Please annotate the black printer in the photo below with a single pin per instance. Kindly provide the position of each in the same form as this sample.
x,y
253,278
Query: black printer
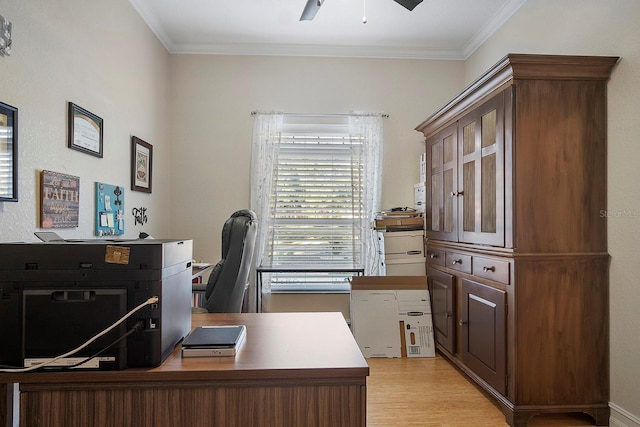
x,y
55,296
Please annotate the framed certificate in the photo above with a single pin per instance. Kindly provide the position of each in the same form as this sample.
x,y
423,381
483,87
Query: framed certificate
x,y
85,131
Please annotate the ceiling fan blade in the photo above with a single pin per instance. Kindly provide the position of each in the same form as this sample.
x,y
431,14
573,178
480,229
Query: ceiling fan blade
x,y
310,9
409,4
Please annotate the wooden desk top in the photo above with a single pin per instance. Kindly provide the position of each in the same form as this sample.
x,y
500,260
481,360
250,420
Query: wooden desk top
x,y
278,346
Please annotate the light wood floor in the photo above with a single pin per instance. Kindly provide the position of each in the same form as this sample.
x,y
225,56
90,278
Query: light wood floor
x,y
430,392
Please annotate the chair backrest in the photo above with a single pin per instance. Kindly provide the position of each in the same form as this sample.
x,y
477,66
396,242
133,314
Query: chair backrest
x,y
229,279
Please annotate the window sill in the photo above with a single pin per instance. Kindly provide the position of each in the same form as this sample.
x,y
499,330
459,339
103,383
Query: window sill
x,y
308,291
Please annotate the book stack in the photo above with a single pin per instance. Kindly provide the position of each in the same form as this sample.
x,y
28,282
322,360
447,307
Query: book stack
x,y
197,296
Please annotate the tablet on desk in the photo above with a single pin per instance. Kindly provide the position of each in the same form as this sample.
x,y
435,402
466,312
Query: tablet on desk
x,y
209,341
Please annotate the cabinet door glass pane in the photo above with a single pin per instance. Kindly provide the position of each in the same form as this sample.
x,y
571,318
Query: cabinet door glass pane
x,y
469,138
436,149
436,194
448,149
469,196
488,220
448,200
489,129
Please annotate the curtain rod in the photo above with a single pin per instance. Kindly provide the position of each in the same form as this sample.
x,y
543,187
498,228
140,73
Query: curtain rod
x,y
383,115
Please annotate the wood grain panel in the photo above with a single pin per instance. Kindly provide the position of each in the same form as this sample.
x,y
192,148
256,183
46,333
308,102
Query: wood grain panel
x,y
560,158
569,340
318,405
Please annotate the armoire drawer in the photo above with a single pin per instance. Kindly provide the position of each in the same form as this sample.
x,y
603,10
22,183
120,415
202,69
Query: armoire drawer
x,y
435,256
490,268
458,261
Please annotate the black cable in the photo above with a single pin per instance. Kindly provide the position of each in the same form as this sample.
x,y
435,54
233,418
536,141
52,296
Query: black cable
x,y
137,327
152,300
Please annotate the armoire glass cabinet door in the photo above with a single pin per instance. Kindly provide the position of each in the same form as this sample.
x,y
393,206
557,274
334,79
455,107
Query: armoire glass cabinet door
x,y
480,195
441,207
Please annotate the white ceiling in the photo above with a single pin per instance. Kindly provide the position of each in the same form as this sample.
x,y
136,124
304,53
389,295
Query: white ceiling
x,y
435,29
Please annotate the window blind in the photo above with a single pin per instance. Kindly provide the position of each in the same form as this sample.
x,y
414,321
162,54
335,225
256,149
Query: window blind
x,y
316,206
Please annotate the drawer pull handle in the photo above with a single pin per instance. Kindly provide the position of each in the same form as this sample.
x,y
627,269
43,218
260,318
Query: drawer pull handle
x,y
433,256
456,261
414,252
462,322
487,269
456,193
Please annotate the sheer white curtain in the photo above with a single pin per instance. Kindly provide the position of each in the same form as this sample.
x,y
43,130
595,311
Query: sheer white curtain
x,y
370,127
267,128
267,133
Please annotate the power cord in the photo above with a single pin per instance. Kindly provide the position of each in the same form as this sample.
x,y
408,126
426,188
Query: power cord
x,y
152,300
139,325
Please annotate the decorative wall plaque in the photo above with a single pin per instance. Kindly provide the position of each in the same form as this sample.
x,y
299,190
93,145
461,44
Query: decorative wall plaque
x,y
59,200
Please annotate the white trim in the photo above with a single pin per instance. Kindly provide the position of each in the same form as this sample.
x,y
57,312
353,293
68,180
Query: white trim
x,y
491,27
622,418
339,51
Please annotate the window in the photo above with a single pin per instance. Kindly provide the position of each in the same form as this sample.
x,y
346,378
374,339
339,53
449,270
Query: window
x,y
315,210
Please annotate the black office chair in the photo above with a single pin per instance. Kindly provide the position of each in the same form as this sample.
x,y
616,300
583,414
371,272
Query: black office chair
x,y
229,280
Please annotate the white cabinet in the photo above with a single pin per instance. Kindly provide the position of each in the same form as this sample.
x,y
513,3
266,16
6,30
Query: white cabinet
x,y
401,253
419,197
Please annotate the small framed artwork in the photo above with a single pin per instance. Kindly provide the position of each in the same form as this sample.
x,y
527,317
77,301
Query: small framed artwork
x,y
59,200
141,165
8,153
85,131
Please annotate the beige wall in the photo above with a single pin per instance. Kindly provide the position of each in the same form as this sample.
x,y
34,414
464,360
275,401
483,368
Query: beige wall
x,y
597,27
195,111
101,56
213,96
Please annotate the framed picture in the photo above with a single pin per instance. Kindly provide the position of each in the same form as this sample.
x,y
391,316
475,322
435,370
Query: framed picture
x,y
85,131
8,153
59,200
141,165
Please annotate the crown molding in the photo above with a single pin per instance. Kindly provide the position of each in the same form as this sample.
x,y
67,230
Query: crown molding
x,y
340,51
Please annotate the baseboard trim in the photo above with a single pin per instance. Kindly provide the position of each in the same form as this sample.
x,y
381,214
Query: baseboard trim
x,y
621,418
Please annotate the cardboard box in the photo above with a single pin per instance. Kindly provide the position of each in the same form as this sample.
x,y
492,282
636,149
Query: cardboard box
x,y
391,316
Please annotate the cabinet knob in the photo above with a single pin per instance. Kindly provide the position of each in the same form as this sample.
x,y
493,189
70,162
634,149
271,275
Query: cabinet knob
x,y
456,261
456,193
433,256
486,269
447,315
462,322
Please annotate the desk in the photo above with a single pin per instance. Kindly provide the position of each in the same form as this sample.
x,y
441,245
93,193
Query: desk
x,y
200,271
260,270
294,369
198,289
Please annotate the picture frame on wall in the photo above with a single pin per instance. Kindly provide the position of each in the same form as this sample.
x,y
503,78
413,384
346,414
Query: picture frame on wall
x,y
59,200
85,131
8,153
141,165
